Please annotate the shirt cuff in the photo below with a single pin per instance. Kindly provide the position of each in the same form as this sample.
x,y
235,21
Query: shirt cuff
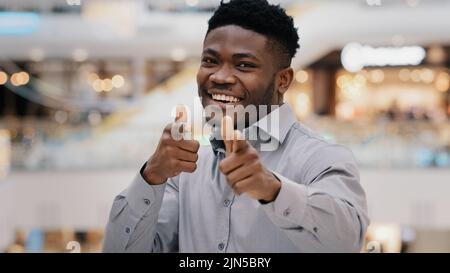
x,y
288,209
141,195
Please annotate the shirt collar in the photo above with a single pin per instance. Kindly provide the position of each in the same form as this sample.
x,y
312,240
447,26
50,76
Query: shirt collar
x,y
276,124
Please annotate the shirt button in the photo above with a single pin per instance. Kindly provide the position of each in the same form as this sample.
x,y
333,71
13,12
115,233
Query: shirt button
x,y
127,230
286,212
221,246
147,202
315,229
226,203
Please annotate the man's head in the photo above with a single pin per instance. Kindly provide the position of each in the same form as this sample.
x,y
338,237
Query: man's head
x,y
247,54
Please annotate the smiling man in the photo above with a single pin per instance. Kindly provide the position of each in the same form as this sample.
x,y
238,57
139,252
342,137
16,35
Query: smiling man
x,y
303,196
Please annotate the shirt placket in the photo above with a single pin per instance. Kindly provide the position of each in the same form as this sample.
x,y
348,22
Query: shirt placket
x,y
223,210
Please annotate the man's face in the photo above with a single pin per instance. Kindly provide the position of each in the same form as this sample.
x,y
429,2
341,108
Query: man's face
x,y
237,68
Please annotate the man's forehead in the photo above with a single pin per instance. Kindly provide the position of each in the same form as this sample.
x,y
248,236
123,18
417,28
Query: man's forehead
x,y
236,38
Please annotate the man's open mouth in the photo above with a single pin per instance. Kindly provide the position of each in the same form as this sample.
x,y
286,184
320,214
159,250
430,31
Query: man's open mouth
x,y
224,98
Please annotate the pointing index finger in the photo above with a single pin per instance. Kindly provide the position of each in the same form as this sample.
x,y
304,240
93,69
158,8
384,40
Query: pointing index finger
x,y
239,142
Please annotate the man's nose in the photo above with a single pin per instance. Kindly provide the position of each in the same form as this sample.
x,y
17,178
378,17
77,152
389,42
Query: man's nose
x,y
223,76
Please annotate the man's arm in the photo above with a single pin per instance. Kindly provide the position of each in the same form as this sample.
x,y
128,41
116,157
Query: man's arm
x,y
328,213
144,218
324,209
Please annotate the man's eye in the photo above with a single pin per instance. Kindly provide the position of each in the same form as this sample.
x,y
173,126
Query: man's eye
x,y
208,61
246,65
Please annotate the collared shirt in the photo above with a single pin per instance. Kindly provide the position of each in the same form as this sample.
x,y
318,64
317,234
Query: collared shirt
x,y
321,206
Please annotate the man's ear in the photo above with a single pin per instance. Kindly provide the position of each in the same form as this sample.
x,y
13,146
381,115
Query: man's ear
x,y
284,80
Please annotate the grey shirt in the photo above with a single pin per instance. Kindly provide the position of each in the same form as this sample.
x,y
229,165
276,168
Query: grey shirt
x,y
321,206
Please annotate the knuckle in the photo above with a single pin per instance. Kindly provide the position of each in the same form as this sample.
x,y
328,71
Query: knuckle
x,y
175,164
231,158
190,168
168,127
196,146
237,188
222,166
230,178
256,166
165,138
252,155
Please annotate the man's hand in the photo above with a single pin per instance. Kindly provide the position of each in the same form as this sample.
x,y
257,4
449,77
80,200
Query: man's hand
x,y
243,168
173,155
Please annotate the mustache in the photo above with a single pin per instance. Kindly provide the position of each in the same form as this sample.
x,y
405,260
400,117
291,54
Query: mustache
x,y
221,87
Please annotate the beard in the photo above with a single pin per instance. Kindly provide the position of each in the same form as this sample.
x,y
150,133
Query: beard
x,y
267,98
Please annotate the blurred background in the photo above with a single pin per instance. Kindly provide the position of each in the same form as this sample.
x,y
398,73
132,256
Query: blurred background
x,y
85,88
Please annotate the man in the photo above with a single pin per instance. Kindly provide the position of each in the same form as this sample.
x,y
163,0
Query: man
x,y
304,196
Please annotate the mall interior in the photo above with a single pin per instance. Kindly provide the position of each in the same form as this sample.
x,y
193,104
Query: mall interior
x,y
85,88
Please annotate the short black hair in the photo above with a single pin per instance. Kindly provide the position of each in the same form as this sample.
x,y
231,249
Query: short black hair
x,y
261,17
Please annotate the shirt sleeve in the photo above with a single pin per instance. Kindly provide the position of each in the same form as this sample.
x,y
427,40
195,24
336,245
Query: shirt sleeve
x,y
144,218
325,210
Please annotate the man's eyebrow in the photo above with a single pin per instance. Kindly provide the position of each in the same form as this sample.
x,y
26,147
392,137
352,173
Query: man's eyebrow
x,y
245,55
235,56
211,51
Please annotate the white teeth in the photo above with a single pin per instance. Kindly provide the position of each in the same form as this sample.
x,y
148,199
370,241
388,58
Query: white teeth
x,y
224,98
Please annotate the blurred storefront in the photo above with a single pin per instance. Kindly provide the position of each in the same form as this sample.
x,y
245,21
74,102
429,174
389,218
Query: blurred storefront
x,y
391,116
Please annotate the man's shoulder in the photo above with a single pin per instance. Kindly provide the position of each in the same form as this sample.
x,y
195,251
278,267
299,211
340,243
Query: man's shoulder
x,y
314,145
300,136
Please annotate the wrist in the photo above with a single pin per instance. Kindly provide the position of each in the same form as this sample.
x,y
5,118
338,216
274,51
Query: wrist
x,y
273,188
150,176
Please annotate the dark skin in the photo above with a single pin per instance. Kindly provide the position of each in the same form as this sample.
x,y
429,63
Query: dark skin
x,y
243,64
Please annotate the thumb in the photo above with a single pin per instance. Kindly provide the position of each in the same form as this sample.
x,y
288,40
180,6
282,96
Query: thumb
x,y
239,142
181,118
227,132
181,113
